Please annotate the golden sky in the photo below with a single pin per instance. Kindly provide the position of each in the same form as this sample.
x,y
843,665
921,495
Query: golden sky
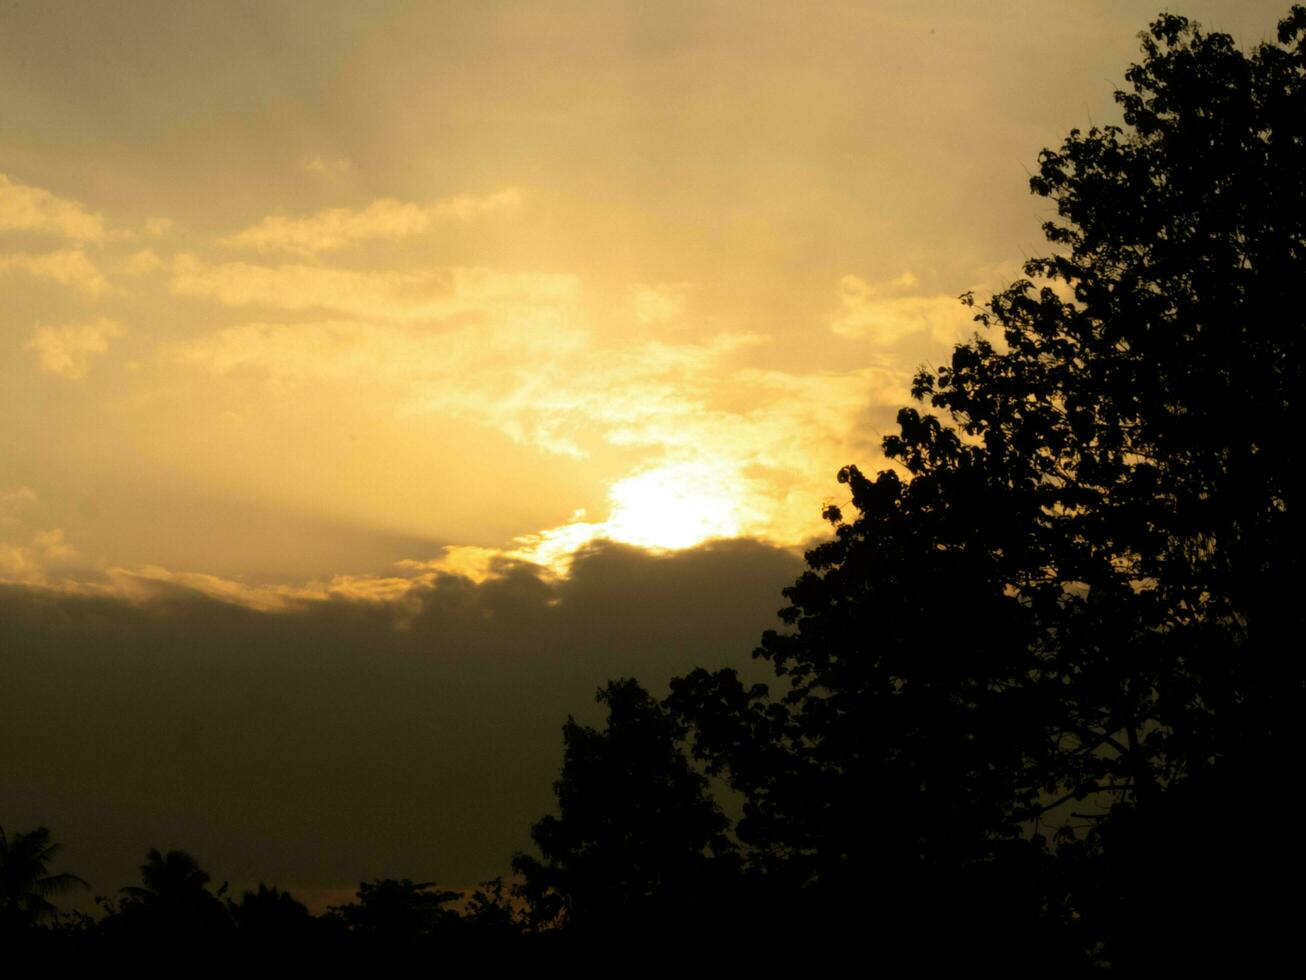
x,y
298,290
322,300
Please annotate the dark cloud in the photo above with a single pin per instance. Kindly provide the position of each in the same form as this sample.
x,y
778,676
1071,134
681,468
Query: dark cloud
x,y
344,740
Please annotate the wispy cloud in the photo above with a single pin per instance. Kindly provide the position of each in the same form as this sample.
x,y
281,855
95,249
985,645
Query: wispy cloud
x,y
140,264
436,294
659,302
54,545
724,451
68,267
18,565
889,312
156,227
13,502
385,218
28,554
33,209
323,167
66,351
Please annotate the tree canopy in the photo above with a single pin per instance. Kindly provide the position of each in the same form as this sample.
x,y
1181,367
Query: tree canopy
x,y
1073,597
637,836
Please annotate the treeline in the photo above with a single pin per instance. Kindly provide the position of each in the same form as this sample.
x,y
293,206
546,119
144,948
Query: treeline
x,y
1038,703
176,911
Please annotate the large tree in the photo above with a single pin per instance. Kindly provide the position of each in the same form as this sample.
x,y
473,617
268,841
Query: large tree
x,y
1073,600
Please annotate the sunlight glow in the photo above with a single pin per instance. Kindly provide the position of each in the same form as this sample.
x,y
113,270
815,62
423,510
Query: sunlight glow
x,y
668,507
674,506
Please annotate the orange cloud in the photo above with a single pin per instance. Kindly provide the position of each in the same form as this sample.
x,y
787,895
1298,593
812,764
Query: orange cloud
x,y
68,267
385,218
66,351
655,303
27,208
436,294
887,314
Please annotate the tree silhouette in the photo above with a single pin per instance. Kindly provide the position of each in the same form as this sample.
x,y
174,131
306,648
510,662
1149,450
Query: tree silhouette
x,y
1146,403
173,897
637,837
491,915
397,915
269,914
1067,609
26,883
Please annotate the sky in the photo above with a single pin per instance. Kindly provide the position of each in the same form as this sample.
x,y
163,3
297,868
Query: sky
x,y
379,379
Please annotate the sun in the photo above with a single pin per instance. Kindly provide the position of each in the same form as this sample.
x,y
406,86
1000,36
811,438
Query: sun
x,y
666,507
676,505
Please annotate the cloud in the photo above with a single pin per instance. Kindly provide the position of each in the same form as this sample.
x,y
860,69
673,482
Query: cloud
x,y
328,350
881,313
153,582
18,565
32,209
68,267
66,351
15,501
436,294
140,264
344,350
326,168
385,218
552,398
720,451
54,545
660,302
28,556
725,450
156,227
412,738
